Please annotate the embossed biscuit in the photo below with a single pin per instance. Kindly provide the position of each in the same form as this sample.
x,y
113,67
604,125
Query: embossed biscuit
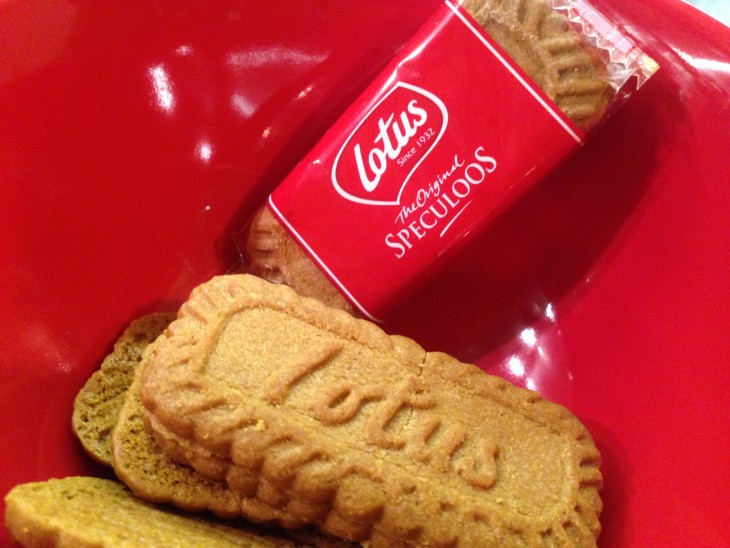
x,y
543,43
107,419
142,465
153,476
331,420
555,55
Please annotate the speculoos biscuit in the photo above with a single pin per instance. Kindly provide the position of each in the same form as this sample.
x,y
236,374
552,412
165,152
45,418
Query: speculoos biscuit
x,y
557,57
274,255
97,404
87,511
541,41
331,421
107,420
153,476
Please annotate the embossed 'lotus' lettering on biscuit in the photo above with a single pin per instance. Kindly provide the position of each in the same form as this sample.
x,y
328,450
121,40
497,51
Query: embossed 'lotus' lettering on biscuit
x,y
427,437
329,420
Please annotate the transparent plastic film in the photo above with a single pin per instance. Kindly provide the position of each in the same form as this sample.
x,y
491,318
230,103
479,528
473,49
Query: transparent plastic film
x,y
625,61
556,29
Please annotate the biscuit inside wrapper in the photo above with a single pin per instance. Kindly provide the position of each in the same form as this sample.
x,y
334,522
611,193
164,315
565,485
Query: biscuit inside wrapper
x,y
488,98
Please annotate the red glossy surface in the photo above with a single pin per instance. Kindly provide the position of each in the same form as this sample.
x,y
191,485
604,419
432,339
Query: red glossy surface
x,y
134,141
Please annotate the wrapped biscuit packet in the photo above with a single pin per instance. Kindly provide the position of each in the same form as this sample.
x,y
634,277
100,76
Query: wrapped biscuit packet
x,y
486,99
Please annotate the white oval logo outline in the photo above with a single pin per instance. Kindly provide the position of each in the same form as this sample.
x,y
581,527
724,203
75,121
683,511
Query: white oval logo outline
x,y
441,106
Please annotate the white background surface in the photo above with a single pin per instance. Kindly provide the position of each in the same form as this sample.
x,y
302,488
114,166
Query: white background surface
x,y
720,9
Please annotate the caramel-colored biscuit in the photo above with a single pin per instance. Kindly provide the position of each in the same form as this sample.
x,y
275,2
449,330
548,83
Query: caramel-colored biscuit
x,y
97,404
275,256
109,402
557,58
84,511
327,418
542,42
153,476
141,464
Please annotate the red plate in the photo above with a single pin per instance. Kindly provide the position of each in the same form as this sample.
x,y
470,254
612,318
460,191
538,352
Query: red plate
x,y
135,140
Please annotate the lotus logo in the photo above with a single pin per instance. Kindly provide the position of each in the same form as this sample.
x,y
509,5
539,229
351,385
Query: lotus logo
x,y
379,157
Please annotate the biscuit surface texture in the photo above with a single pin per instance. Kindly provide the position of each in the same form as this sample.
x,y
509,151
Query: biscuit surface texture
x,y
332,421
153,476
275,256
97,404
557,58
94,512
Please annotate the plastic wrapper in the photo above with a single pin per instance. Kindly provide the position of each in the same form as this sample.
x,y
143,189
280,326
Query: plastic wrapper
x,y
485,100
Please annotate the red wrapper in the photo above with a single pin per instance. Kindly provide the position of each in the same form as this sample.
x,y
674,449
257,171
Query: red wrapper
x,y
444,139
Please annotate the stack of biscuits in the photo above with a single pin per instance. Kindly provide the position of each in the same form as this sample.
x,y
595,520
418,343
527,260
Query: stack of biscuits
x,y
270,409
258,415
